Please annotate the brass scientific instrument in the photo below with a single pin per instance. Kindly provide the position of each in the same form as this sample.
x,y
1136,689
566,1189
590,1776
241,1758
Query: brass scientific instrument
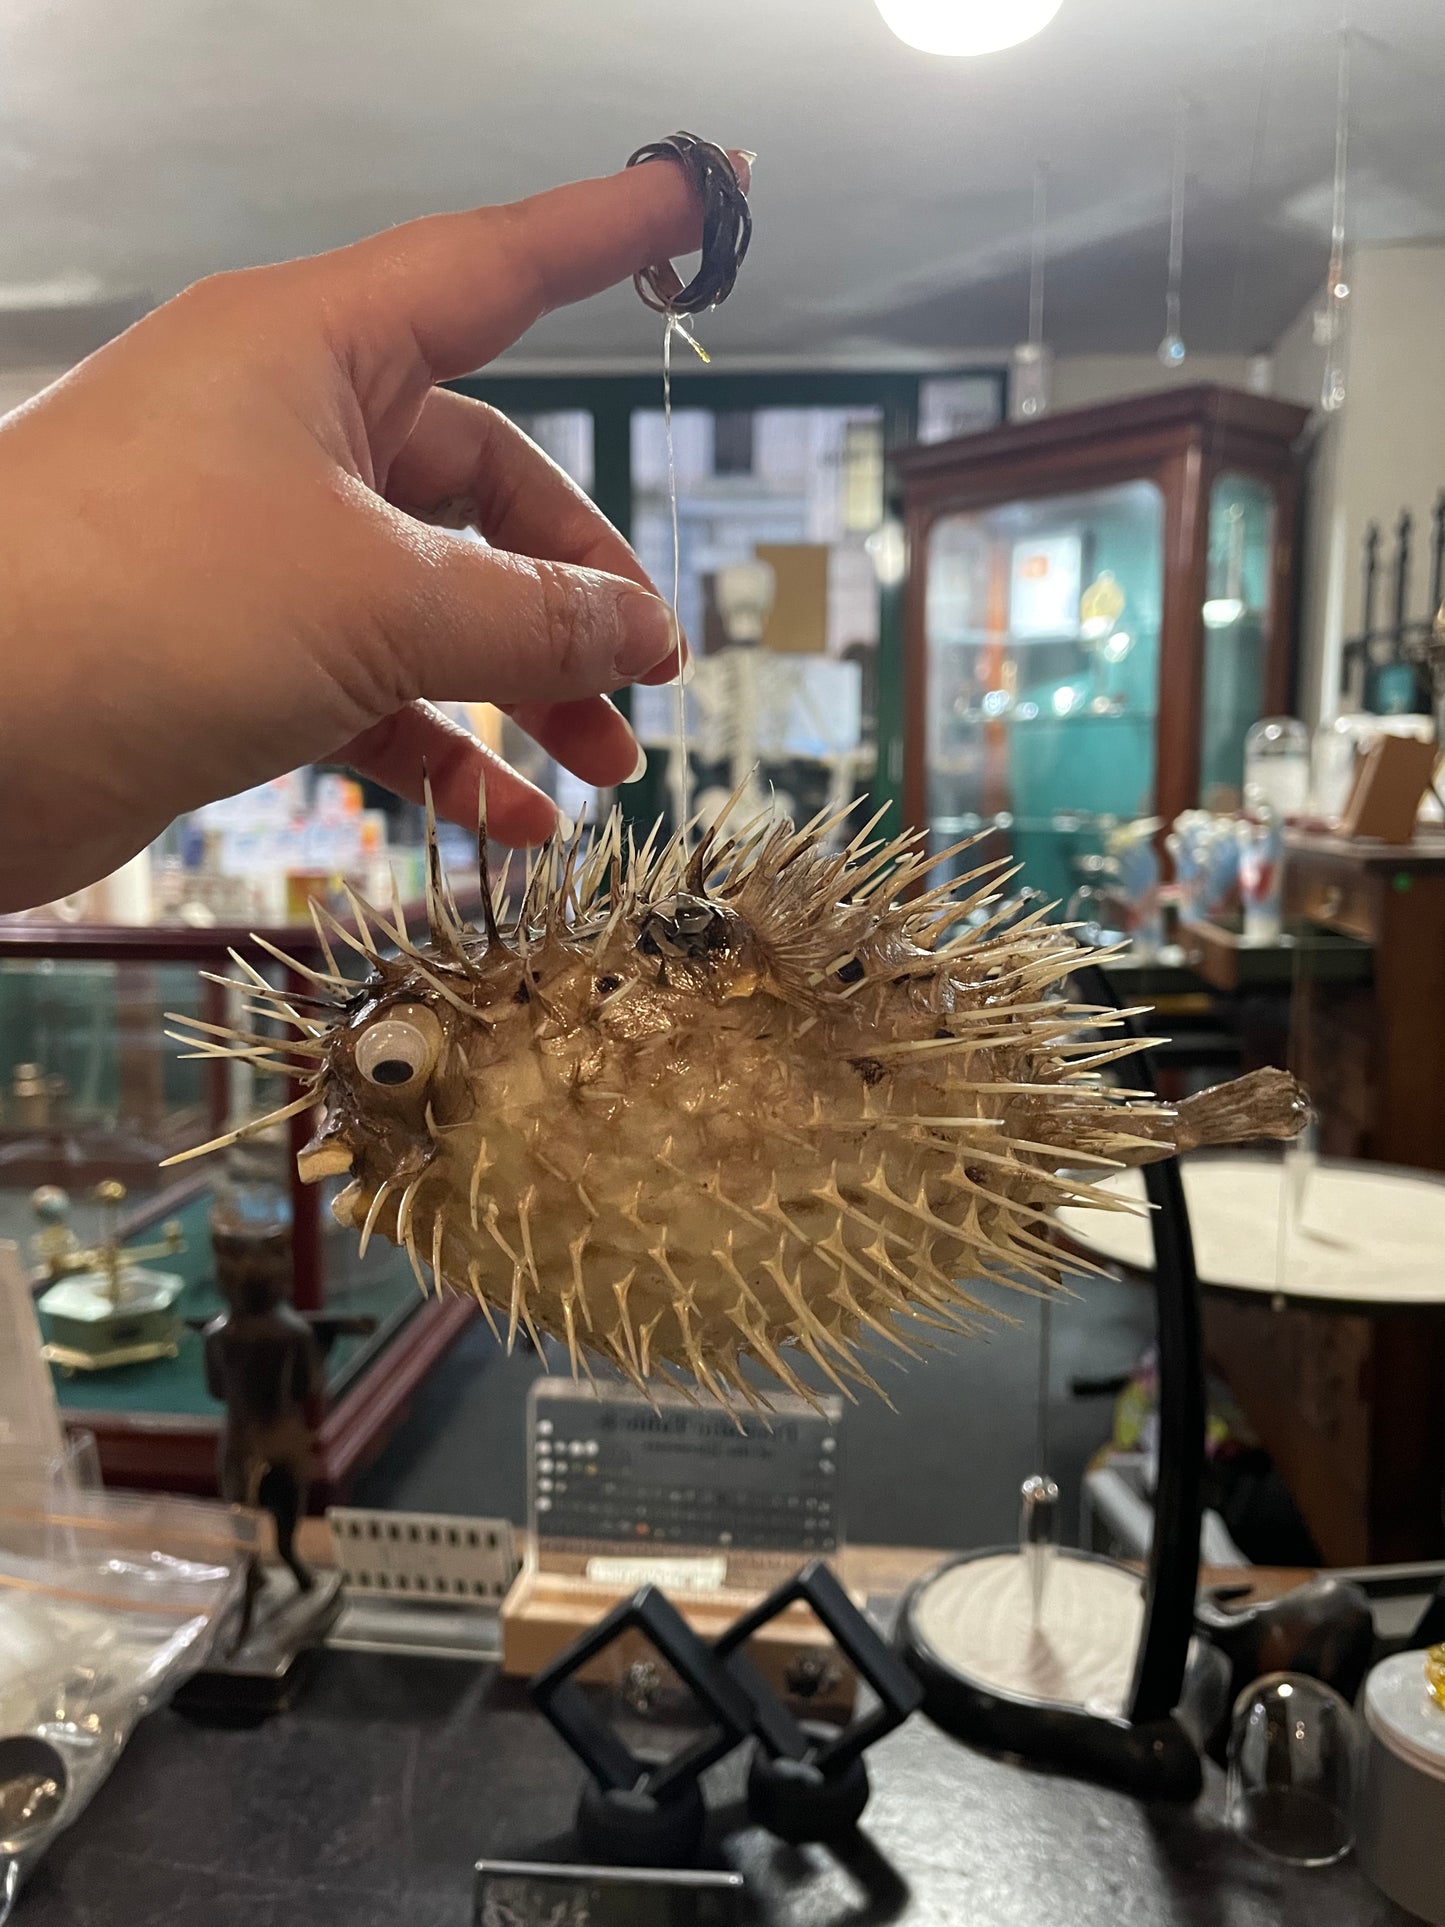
x,y
104,1307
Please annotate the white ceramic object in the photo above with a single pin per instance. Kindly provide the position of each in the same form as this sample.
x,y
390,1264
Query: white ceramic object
x,y
1400,1823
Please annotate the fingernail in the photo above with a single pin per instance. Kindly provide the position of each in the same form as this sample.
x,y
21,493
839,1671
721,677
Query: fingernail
x,y
688,670
750,156
646,626
639,768
565,828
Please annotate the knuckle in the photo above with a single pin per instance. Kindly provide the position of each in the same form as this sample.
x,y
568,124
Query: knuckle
x,y
488,419
569,628
384,597
486,425
371,669
216,295
240,296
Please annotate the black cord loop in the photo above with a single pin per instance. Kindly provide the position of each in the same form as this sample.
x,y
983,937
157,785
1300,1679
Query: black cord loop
x,y
727,227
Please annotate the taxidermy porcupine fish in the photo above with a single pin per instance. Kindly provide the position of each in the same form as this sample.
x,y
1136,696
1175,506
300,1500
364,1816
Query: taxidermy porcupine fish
x,y
756,1100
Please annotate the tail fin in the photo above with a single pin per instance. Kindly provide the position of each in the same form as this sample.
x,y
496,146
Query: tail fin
x,y
1267,1103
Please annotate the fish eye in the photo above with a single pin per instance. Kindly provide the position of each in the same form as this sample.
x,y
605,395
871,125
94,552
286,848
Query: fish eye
x,y
398,1051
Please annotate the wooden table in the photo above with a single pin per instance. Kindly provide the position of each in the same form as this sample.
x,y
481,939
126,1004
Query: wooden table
x,y
1334,1345
367,1804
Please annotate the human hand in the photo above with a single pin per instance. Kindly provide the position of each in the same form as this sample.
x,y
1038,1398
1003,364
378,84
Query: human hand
x,y
216,566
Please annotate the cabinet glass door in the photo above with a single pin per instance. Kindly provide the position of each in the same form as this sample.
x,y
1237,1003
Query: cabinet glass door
x,y
1043,625
1236,628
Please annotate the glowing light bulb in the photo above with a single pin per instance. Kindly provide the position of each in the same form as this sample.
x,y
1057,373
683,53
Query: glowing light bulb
x,y
887,550
966,26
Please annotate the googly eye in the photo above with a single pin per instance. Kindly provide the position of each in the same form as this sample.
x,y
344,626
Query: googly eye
x,y
398,1051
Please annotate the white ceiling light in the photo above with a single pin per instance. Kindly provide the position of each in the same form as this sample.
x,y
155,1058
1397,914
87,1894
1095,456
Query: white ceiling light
x,y
966,26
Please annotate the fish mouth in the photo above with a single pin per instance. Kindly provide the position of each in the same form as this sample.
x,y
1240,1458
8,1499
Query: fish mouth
x,y
326,1156
349,1206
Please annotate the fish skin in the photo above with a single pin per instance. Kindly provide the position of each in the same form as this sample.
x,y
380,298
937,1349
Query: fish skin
x,y
756,1101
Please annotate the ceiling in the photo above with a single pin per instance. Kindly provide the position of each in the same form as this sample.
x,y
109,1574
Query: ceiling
x,y
145,143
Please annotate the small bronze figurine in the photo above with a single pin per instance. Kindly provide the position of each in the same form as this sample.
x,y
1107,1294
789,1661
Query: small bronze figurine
x,y
263,1362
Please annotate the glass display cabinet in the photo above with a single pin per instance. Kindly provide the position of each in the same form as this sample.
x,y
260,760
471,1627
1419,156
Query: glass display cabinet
x,y
93,1095
1099,604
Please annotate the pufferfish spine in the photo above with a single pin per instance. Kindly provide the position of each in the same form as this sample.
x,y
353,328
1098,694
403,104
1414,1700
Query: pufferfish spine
x,y
688,1110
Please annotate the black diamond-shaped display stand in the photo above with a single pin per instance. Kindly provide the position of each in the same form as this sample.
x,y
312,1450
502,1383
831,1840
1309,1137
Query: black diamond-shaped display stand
x,y
808,1781
632,1813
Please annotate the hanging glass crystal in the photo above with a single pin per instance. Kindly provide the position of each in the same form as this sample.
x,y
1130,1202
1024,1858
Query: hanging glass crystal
x,y
1031,368
1172,350
1330,322
1031,365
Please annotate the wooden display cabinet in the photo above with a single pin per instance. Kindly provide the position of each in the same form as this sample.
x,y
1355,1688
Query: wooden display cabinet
x,y
1099,604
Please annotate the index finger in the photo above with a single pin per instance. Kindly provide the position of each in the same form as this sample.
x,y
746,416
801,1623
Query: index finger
x,y
465,286
462,450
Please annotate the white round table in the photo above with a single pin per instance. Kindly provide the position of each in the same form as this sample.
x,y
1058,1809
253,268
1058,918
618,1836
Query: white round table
x,y
1331,1339
1366,1236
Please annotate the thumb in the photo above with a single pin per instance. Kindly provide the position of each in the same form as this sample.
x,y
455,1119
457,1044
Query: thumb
x,y
468,623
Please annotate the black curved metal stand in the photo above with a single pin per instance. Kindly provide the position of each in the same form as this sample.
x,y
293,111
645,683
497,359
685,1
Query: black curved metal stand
x,y
1148,1751
1183,1411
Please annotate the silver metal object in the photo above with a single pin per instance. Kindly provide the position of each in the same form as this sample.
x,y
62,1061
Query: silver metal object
x,y
33,1785
510,1893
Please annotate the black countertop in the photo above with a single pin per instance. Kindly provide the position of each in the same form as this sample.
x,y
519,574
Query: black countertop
x,y
367,1805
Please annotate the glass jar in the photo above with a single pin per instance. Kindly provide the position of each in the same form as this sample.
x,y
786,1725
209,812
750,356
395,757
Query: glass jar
x,y
1277,767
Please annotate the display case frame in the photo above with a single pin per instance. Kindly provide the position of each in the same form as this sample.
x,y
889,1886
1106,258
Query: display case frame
x,y
178,1451
1183,440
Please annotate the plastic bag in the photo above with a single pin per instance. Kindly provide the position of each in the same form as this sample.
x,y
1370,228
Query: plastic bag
x,y
107,1601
